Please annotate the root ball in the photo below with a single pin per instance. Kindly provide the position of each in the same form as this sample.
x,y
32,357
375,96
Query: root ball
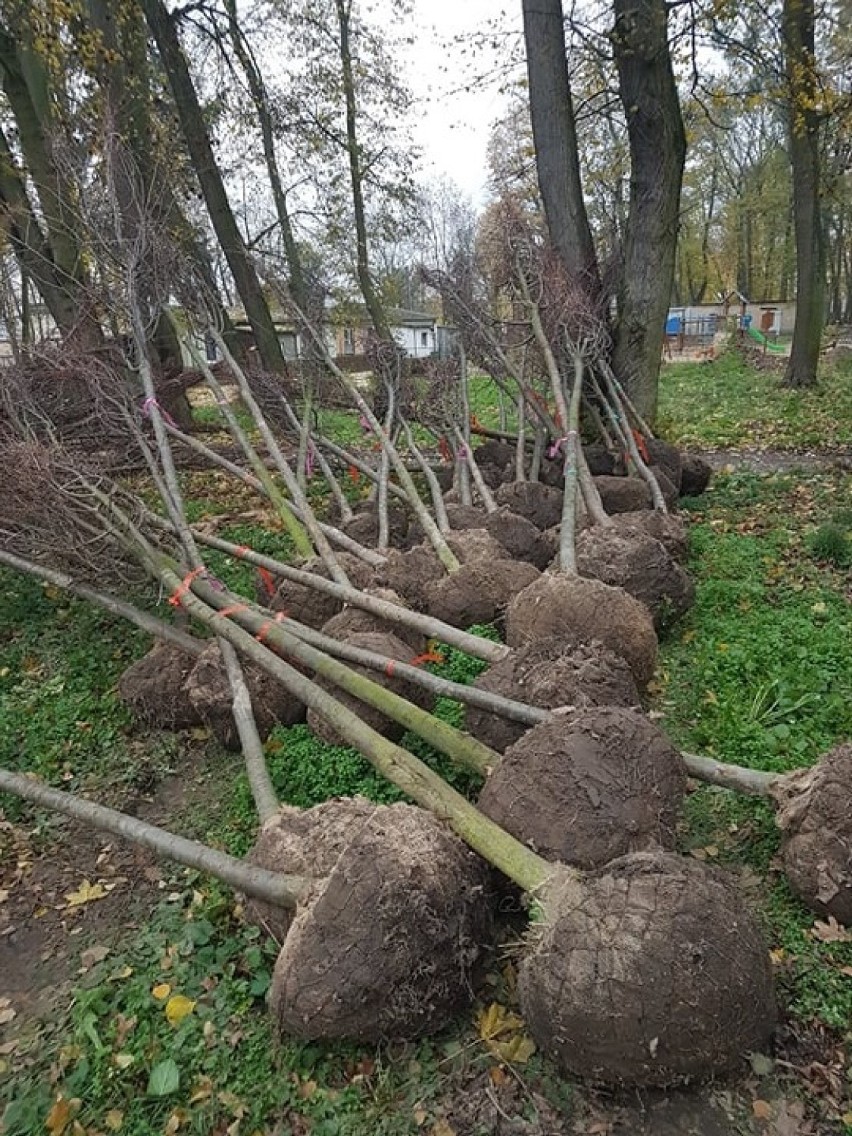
x,y
382,644
579,610
695,475
478,592
549,674
388,943
633,560
669,530
816,821
652,972
154,687
355,619
541,504
309,606
585,788
623,494
520,537
210,694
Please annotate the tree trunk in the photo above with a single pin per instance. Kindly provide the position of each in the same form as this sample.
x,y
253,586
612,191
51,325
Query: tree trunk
x,y
191,117
555,138
798,31
657,152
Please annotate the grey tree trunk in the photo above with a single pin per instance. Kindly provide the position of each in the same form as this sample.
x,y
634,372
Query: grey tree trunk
x,y
197,140
657,152
555,138
798,31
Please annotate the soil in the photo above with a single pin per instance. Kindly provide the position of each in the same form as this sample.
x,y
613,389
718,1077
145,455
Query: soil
x,y
42,938
778,461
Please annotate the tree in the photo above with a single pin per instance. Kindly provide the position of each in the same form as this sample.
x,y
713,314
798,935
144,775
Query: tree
x,y
798,27
651,105
164,29
555,135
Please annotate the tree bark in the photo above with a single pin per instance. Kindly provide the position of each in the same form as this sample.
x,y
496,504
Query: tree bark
x,y
798,31
191,118
555,138
657,153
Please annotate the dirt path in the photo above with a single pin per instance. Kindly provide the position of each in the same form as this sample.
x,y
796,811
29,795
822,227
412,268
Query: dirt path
x,y
778,461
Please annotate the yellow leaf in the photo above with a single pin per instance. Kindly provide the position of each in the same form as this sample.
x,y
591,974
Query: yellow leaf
x,y
516,1050
86,893
162,991
114,1119
178,1007
61,1115
123,1060
177,1119
120,975
496,1020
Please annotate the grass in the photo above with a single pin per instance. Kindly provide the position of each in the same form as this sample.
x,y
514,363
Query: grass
x,y
726,403
759,673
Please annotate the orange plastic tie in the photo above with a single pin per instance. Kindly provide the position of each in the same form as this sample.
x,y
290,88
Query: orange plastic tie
x,y
232,610
427,657
390,667
241,550
264,631
184,586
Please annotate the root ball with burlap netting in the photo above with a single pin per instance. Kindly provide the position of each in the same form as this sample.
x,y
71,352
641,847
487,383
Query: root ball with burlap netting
x,y
579,610
585,787
389,942
816,821
548,674
651,972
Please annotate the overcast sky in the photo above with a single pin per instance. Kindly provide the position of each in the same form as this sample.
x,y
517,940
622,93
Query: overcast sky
x,y
452,123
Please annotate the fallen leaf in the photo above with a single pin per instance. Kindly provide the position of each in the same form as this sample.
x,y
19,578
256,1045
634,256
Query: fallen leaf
x,y
496,1020
307,1089
61,1114
164,1079
516,1050
86,893
7,1012
91,956
831,931
762,1109
120,975
441,1128
761,1064
177,1008
123,1060
162,991
114,1119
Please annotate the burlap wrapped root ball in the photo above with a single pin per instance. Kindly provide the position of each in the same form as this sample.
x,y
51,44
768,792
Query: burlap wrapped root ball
x,y
154,688
541,504
209,691
520,537
355,619
311,607
548,674
635,561
389,942
668,529
394,649
578,610
478,592
585,787
651,972
816,821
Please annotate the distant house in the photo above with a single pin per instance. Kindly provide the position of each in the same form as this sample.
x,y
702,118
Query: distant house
x,y
347,331
702,321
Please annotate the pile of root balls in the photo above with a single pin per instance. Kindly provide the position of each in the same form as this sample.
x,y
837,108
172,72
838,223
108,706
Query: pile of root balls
x,y
640,966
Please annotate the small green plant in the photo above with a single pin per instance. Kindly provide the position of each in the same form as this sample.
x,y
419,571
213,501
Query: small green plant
x,y
832,544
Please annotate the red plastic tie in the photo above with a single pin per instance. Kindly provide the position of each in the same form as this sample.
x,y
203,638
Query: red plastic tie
x,y
184,586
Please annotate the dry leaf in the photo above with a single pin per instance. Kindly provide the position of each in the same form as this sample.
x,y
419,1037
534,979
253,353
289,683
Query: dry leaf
x,y
123,1060
762,1109
516,1050
86,893
496,1020
162,991
441,1128
307,1089
114,1119
177,1008
61,1115
831,931
7,1011
91,956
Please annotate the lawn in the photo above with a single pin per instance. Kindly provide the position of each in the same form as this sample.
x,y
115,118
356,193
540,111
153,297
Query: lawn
x,y
166,1032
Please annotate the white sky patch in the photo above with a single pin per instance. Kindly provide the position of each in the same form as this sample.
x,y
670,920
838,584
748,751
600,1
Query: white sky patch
x,y
453,112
